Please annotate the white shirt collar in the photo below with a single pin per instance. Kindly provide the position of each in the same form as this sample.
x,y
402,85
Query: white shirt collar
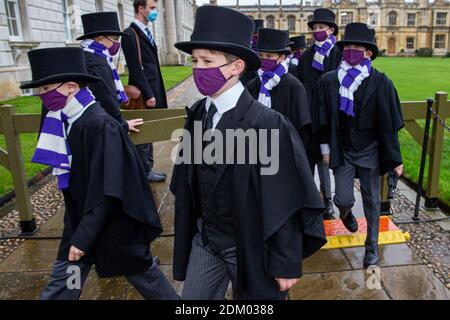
x,y
141,25
227,100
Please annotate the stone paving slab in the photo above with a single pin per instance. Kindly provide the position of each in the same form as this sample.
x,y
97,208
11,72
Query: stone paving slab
x,y
413,283
343,285
326,261
390,255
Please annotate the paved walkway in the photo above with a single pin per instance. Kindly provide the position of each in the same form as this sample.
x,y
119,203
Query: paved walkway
x,y
406,272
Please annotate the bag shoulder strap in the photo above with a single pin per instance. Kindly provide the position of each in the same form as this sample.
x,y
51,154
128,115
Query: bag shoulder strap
x,y
138,45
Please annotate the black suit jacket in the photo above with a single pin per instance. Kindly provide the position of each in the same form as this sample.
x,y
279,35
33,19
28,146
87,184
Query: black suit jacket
x,y
147,78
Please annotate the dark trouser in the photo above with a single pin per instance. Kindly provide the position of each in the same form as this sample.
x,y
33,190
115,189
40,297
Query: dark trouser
x,y
208,273
68,278
366,165
324,177
145,152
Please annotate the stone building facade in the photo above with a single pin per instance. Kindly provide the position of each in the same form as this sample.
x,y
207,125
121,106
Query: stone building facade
x,y
401,26
29,24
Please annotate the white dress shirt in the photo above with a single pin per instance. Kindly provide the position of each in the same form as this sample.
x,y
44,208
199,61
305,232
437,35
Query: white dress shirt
x,y
143,27
225,102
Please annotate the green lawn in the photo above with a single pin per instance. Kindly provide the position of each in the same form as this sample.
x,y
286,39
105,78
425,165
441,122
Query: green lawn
x,y
172,75
418,79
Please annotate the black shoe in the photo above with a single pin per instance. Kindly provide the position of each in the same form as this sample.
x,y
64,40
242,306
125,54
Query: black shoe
x,y
155,177
371,259
350,222
329,210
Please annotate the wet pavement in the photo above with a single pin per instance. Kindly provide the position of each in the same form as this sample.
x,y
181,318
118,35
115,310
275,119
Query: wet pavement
x,y
405,271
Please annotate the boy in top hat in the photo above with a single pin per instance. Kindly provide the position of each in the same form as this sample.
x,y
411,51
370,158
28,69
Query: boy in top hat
x,y
297,45
322,57
232,221
100,42
275,87
357,115
250,74
110,217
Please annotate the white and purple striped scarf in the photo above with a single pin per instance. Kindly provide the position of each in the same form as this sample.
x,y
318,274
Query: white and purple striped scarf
x,y
322,50
270,80
350,78
52,148
99,49
296,58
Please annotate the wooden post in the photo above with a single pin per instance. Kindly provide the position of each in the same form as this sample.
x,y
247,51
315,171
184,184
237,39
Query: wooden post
x,y
385,203
436,143
17,169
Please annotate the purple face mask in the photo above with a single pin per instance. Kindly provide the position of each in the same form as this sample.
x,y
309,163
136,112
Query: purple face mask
x,y
53,100
114,48
353,56
209,80
268,64
320,35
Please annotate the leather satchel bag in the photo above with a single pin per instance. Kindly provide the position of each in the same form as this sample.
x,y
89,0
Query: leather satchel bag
x,y
135,97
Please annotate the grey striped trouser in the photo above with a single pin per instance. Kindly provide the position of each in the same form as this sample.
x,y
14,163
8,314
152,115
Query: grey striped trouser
x,y
209,274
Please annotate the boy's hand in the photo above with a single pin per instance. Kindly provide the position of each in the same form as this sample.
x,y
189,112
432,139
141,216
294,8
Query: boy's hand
x,y
75,254
399,170
286,284
132,124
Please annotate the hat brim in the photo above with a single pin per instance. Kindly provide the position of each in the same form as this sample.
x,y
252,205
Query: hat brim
x,y
369,45
247,54
101,33
329,23
280,51
64,77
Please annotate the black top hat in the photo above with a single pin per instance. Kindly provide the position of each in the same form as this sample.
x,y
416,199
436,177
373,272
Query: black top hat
x,y
360,34
100,24
289,42
298,42
272,40
259,23
324,16
222,29
54,65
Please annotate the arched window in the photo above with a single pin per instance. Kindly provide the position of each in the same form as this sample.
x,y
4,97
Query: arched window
x,y
392,18
270,22
310,17
291,23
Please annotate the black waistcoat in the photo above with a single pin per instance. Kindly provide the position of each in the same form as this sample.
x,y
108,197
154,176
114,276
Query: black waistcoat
x,y
352,137
214,196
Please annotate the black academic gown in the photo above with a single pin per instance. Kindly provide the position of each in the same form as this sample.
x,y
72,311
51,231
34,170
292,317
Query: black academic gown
x,y
309,77
105,91
262,205
110,212
290,99
380,110
293,69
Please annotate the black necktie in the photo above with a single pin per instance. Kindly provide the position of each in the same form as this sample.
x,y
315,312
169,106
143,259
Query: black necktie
x,y
209,117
